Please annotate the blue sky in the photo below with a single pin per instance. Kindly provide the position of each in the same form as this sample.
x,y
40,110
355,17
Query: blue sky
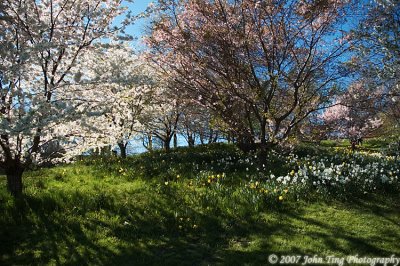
x,y
137,7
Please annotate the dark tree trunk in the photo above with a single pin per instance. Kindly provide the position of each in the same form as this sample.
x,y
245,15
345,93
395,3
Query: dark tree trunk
x,y
215,137
228,138
190,141
167,143
175,141
210,136
263,134
263,154
122,148
246,142
150,145
14,180
201,138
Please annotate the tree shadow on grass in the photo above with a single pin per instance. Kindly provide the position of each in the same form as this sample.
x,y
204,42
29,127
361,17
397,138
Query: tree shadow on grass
x,y
44,232
40,235
337,239
385,207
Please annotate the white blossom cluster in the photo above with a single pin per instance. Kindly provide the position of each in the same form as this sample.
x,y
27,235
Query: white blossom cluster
x,y
367,171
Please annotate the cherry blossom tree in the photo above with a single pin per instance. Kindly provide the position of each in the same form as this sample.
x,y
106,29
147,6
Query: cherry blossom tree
x,y
261,66
161,117
354,115
377,59
378,42
41,43
196,124
126,82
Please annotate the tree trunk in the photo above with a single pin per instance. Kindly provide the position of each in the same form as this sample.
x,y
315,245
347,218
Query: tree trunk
x,y
228,138
167,143
201,138
263,136
190,141
215,137
210,136
397,157
175,141
122,148
263,154
150,145
14,180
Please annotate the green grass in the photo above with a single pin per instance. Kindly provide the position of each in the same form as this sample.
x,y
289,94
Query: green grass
x,y
369,144
152,209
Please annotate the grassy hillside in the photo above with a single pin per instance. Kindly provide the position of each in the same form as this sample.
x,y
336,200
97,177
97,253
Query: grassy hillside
x,y
209,205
